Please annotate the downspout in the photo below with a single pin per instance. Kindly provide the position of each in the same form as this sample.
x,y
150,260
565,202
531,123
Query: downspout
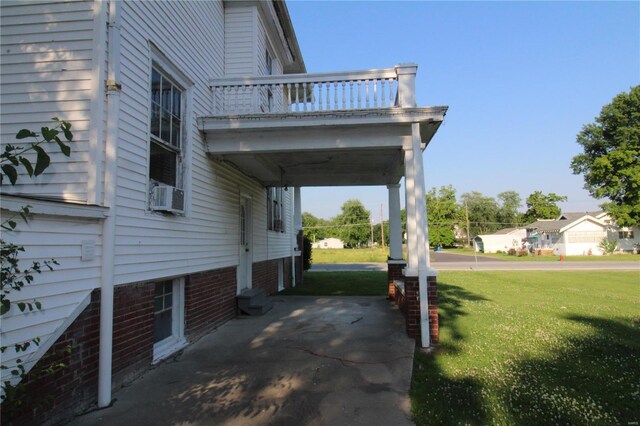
x,y
110,182
294,233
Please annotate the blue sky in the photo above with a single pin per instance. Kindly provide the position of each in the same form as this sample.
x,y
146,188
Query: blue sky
x,y
520,80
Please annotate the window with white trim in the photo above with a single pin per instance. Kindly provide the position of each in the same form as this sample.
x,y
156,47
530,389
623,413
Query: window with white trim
x,y
624,235
168,318
166,130
274,209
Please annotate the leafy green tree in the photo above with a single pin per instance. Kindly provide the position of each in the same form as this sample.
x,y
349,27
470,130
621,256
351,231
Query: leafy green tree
x,y
541,206
508,214
317,228
354,223
15,275
443,214
377,233
483,213
610,162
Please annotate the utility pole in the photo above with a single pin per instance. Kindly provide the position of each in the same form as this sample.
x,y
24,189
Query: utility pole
x,y
466,209
382,224
371,232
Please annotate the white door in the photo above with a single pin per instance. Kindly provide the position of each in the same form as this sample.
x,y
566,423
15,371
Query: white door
x,y
244,265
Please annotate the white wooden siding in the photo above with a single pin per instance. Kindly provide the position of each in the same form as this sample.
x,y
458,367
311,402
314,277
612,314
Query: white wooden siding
x,y
46,68
61,291
239,40
151,246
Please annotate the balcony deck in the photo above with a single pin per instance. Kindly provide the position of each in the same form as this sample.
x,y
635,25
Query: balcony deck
x,y
318,129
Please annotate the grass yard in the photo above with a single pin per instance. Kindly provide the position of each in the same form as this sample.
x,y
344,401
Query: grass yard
x,y
525,348
365,255
533,348
349,255
341,284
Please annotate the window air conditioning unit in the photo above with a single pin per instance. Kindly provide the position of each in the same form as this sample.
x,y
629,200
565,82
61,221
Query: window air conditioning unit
x,y
167,199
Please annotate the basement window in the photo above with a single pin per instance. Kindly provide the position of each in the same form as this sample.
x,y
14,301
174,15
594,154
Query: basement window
x,y
168,318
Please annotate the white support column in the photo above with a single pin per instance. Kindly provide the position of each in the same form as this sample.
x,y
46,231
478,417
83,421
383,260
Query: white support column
x,y
395,223
410,204
421,203
297,209
417,228
297,226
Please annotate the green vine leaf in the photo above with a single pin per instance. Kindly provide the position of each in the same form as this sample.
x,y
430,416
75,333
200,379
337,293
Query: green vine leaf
x,y
25,133
42,161
10,172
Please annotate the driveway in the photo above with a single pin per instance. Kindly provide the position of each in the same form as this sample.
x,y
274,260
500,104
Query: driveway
x,y
309,361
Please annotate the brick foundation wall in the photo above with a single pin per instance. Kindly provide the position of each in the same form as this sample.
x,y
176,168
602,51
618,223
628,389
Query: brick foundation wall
x,y
210,300
434,322
132,331
394,272
265,274
412,308
57,397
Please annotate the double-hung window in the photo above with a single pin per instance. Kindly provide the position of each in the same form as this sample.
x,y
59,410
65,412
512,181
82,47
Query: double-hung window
x,y
167,112
274,209
624,235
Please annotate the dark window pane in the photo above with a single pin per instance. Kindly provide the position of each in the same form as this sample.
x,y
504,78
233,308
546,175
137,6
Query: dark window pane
x,y
177,104
162,165
155,86
175,132
160,288
158,306
168,300
155,119
165,129
162,326
168,286
166,94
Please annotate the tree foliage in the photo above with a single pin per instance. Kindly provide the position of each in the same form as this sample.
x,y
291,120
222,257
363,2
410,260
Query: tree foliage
x,y
354,222
508,214
443,214
610,162
14,160
483,213
541,206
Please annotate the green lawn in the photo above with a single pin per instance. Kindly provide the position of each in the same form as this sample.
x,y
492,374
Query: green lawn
x,y
524,348
380,255
349,255
533,348
341,284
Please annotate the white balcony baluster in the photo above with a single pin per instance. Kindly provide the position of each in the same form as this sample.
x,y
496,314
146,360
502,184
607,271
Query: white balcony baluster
x,y
314,92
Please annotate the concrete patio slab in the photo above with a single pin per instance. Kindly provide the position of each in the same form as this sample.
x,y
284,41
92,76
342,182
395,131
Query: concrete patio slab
x,y
309,361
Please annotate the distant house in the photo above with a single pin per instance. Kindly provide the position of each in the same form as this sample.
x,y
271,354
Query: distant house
x,y
580,234
501,240
328,243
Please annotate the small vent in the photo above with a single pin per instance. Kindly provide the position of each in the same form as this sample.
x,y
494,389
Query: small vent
x,y
167,199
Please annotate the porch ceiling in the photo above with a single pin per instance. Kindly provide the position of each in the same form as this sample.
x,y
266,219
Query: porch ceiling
x,y
330,148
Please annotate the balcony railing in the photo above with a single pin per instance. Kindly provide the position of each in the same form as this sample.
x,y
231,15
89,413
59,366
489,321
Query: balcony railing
x,y
299,93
